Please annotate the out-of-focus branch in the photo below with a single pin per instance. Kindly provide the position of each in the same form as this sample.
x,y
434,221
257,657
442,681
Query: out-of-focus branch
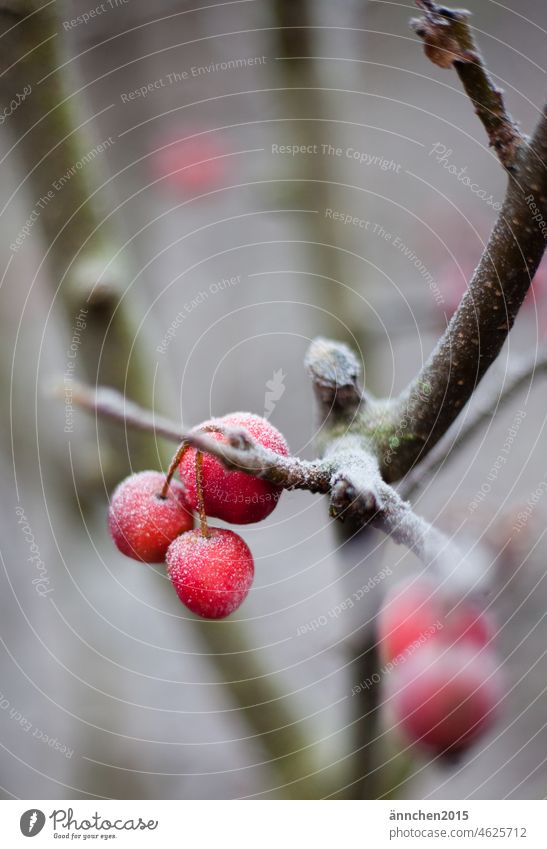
x,y
63,156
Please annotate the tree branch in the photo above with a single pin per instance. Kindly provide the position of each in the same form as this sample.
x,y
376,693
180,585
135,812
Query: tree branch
x,y
448,41
240,452
487,311
479,327
334,370
65,171
358,491
349,472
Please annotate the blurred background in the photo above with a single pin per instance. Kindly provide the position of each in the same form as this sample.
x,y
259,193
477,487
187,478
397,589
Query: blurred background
x,y
190,195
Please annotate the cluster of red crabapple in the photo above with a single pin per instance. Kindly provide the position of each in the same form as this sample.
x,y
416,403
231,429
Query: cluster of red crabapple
x,y
151,519
444,684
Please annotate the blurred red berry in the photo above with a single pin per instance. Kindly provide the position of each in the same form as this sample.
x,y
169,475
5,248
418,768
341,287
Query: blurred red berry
x,y
416,612
444,700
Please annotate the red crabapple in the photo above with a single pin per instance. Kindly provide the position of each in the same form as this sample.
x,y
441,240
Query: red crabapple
x,y
443,700
191,164
416,612
211,574
233,496
143,524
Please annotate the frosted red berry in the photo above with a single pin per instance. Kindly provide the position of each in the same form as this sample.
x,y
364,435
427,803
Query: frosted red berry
x,y
417,612
233,496
142,523
444,700
211,574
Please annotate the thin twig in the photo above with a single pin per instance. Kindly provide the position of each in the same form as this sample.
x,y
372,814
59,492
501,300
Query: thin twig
x,y
239,452
448,41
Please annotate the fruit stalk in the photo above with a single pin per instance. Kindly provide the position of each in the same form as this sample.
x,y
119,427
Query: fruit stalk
x,y
201,501
173,466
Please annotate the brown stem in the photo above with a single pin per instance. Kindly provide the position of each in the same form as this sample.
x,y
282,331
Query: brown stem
x,y
480,325
401,433
181,450
199,490
448,41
